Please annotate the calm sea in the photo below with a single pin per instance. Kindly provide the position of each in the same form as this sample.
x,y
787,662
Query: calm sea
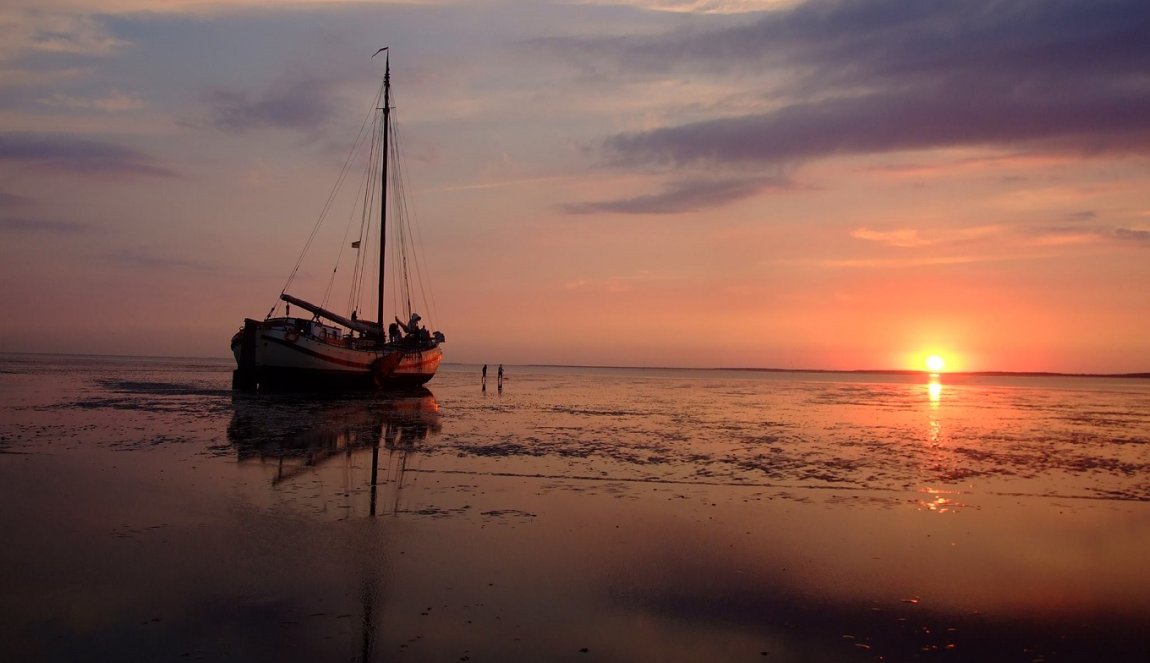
x,y
571,514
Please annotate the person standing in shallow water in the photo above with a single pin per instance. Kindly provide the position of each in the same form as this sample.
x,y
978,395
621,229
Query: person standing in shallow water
x,y
501,375
485,374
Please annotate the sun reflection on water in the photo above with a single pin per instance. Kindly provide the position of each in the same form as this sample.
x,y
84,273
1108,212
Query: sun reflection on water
x,y
936,500
934,390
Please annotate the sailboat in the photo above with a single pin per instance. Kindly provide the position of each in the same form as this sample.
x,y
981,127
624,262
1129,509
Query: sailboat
x,y
331,350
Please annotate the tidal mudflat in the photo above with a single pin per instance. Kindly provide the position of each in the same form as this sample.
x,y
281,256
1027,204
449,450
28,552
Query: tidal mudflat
x,y
576,514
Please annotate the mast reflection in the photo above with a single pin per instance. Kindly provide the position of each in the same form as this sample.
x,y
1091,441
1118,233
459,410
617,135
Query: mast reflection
x,y
299,434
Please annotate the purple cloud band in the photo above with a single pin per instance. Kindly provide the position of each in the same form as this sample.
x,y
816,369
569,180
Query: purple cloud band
x,y
902,74
68,154
890,75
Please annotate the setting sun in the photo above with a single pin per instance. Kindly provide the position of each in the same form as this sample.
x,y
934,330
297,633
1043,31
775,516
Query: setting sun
x,y
934,363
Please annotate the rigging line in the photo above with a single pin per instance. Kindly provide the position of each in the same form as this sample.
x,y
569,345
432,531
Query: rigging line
x,y
423,280
401,234
372,212
344,244
369,271
328,203
398,282
319,221
354,292
402,226
376,203
402,202
409,236
403,244
355,298
357,270
419,258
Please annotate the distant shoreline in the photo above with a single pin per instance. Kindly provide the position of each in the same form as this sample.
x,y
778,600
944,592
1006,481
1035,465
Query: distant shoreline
x,y
880,371
987,374
884,371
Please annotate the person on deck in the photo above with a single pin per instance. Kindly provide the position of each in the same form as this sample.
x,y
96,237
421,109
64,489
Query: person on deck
x,y
412,325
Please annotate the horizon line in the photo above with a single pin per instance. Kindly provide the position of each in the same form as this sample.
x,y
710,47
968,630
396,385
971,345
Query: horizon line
x,y
748,369
867,371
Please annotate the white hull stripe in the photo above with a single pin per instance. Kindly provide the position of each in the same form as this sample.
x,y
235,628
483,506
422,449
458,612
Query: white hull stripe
x,y
312,353
411,362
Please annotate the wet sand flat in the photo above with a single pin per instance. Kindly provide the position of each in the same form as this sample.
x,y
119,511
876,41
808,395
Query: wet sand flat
x,y
576,514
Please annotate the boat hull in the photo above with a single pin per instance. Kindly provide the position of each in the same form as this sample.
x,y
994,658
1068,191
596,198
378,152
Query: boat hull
x,y
275,355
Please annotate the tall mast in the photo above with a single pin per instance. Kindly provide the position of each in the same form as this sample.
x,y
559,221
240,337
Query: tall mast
x,y
383,189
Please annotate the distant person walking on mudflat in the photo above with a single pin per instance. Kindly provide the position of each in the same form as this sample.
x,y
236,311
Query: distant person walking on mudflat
x,y
501,375
485,374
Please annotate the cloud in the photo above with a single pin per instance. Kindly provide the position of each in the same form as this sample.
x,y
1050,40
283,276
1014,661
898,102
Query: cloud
x,y
862,43
903,237
700,6
32,225
1044,236
40,47
1133,235
57,153
12,200
1068,236
113,102
1077,235
17,76
682,196
909,238
300,104
892,121
903,263
1081,216
191,7
892,75
34,31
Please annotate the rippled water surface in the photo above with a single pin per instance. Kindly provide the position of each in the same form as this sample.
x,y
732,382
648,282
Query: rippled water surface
x,y
573,514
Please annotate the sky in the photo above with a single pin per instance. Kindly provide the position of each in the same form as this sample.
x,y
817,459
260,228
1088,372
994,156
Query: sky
x,y
697,183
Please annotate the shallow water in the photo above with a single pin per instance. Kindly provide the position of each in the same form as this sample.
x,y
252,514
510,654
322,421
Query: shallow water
x,y
151,514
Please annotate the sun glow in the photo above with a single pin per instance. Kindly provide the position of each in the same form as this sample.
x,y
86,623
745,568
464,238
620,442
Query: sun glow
x,y
934,358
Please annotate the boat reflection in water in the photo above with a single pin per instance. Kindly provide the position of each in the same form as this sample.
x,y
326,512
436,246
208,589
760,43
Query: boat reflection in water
x,y
297,434
304,436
